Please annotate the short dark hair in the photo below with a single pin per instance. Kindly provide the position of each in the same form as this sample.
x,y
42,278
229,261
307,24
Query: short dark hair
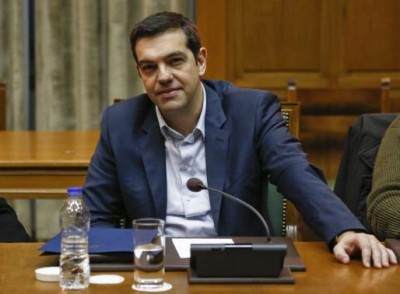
x,y
163,21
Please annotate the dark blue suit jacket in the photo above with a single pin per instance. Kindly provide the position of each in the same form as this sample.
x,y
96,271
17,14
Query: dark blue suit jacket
x,y
11,230
246,140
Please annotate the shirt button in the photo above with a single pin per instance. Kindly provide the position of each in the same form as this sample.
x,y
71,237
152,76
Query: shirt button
x,y
184,167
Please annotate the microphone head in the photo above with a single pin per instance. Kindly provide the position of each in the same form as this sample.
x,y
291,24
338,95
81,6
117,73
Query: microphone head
x,y
195,185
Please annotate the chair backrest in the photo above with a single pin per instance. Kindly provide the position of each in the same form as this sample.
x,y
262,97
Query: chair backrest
x,y
331,110
291,113
116,100
288,222
3,117
283,215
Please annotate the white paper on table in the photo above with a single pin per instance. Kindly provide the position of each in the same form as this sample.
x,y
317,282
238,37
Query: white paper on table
x,y
182,245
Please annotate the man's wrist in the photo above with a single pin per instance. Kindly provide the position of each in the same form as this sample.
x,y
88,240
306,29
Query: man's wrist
x,y
340,236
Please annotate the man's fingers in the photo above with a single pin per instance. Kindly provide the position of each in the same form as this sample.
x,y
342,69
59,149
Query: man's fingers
x,y
373,252
340,254
392,256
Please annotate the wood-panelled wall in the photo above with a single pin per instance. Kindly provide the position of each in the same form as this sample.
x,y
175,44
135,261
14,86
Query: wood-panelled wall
x,y
319,43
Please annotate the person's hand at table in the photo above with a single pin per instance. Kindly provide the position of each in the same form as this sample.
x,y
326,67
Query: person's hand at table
x,y
372,250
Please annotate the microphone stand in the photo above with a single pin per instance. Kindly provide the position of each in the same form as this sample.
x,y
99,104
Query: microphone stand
x,y
239,260
247,205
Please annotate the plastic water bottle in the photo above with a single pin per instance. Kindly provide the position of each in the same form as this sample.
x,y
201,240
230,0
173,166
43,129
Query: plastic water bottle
x,y
74,257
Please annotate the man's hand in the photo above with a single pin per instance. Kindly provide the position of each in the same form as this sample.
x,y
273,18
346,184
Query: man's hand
x,y
350,243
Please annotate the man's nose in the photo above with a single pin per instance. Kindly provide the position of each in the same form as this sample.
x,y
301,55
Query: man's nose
x,y
164,74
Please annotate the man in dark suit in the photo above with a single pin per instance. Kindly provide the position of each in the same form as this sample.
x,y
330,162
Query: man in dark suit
x,y
230,138
11,230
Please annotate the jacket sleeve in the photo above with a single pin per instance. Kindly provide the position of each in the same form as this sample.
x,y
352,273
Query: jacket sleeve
x,y
101,187
297,179
383,202
11,230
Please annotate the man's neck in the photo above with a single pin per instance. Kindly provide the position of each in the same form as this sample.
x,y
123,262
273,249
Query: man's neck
x,y
183,125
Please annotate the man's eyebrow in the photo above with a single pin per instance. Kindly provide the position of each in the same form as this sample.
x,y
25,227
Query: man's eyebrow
x,y
176,53
172,54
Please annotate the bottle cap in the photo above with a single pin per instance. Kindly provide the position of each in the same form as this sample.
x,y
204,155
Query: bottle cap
x,y
74,191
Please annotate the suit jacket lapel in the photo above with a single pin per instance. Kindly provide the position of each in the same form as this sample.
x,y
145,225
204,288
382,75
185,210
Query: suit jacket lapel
x,y
216,144
154,163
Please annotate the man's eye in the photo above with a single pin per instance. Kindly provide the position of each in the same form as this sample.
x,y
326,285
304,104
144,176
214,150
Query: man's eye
x,y
147,68
176,61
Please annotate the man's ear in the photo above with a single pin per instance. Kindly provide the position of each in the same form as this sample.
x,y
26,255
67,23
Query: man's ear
x,y
202,61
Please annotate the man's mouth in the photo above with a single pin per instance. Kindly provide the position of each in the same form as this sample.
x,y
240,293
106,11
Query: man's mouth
x,y
168,93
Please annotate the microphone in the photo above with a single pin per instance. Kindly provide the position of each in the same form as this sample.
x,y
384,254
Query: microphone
x,y
196,185
227,261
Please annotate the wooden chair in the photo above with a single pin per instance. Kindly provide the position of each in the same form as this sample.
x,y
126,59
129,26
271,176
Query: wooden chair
x,y
3,117
284,216
281,212
326,115
291,219
332,111
291,114
116,100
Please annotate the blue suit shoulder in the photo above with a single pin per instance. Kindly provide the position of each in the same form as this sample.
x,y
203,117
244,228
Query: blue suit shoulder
x,y
131,111
226,89
137,103
11,229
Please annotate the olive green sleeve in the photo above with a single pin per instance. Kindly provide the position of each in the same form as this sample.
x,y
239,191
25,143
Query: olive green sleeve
x,y
383,202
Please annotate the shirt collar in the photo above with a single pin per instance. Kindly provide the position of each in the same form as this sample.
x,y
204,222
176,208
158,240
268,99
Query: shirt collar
x,y
200,127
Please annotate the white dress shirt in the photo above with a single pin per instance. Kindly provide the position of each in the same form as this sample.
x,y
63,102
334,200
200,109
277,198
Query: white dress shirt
x,y
188,213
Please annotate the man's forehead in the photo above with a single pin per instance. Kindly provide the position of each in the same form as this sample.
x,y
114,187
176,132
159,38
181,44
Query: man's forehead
x,y
171,37
161,46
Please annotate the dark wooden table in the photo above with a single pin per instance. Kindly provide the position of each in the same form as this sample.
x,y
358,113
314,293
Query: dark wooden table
x,y
324,275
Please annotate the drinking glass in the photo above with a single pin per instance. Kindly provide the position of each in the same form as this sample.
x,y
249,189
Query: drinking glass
x,y
149,253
